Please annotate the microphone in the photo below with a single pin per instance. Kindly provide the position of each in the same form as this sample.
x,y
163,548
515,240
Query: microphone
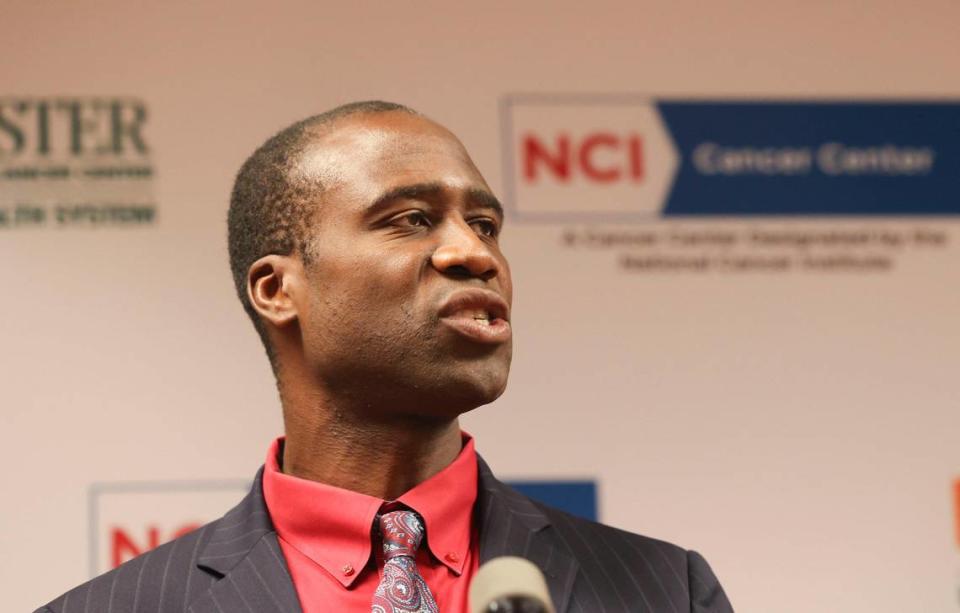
x,y
509,585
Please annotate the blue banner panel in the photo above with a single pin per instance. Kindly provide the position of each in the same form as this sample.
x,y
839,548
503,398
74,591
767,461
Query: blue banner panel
x,y
575,497
814,158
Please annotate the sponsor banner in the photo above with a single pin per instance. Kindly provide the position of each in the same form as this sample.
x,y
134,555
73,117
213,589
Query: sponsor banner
x,y
595,158
75,162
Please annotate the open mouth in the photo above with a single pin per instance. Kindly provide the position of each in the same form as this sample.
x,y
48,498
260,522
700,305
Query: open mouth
x,y
479,315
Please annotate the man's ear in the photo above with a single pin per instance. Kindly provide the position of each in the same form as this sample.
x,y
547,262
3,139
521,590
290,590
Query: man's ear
x,y
273,283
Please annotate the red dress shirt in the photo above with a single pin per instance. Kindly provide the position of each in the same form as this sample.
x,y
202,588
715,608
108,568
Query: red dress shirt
x,y
325,535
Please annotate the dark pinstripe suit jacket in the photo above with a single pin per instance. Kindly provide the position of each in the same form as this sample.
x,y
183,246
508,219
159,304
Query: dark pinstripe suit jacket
x,y
234,565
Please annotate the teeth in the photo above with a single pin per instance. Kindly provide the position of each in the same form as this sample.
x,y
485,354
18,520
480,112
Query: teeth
x,y
481,316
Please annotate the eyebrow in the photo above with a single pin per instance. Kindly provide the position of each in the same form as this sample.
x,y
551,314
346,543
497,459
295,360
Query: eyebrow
x,y
485,199
425,191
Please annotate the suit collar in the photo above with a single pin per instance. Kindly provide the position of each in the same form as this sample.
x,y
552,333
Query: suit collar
x,y
512,525
243,552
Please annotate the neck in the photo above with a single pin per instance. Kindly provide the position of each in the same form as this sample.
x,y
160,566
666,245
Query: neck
x,y
384,458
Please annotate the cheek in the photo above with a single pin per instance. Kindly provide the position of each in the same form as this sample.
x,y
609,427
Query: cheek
x,y
387,283
369,293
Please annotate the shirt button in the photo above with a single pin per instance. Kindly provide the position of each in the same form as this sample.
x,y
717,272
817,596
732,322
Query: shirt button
x,y
347,570
452,558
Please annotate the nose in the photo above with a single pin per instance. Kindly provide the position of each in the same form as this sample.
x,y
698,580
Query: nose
x,y
463,253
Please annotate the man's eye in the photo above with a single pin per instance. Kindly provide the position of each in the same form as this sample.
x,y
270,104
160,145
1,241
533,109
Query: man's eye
x,y
413,218
486,227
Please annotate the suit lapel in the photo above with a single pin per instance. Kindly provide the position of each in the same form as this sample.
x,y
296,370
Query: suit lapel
x,y
245,554
511,525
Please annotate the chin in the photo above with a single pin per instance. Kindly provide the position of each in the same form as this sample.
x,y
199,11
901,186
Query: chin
x,y
477,388
452,392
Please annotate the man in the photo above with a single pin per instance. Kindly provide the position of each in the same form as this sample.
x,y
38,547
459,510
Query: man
x,y
364,246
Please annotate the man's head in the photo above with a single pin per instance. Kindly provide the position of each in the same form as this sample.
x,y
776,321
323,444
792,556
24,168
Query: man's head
x,y
364,246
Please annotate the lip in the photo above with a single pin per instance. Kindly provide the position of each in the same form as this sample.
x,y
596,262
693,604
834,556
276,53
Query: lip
x,y
454,312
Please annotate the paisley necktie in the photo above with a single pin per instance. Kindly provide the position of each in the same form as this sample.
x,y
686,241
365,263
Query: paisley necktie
x,y
402,589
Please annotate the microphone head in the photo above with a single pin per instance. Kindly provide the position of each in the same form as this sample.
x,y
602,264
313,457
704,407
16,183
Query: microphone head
x,y
509,585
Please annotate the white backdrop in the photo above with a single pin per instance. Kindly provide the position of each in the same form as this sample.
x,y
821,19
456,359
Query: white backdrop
x,y
800,430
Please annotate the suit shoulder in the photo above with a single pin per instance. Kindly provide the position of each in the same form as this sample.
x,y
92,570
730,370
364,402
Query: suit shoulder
x,y
680,575
166,575
591,537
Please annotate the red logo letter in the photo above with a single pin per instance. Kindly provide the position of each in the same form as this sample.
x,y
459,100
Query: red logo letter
x,y
636,157
534,153
122,547
606,140
956,508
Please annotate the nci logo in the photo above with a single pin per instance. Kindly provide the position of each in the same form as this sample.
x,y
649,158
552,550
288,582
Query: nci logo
x,y
601,157
572,158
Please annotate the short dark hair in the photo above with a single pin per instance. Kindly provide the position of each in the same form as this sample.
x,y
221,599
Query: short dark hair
x,y
271,208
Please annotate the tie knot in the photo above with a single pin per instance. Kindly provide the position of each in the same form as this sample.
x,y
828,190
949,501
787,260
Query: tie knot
x,y
402,532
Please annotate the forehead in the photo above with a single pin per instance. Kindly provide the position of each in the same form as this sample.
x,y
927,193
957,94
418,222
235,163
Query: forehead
x,y
363,155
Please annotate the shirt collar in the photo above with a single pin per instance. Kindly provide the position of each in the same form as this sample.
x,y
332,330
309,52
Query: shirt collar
x,y
445,502
332,526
